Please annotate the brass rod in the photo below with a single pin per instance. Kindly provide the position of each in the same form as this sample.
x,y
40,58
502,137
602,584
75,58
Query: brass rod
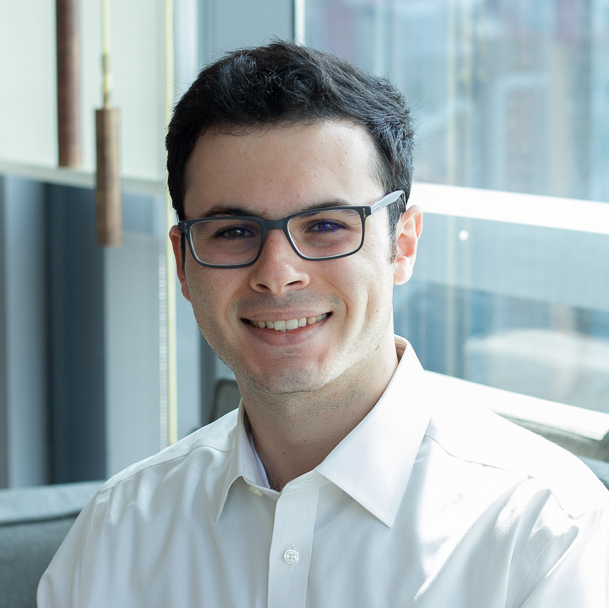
x,y
106,73
171,311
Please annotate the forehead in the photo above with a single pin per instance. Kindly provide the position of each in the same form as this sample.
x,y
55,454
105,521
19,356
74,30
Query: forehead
x,y
280,169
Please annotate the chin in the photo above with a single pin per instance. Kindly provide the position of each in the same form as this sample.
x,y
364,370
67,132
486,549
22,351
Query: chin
x,y
286,382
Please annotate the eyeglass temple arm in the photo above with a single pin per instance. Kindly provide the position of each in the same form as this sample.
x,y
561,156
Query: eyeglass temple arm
x,y
387,200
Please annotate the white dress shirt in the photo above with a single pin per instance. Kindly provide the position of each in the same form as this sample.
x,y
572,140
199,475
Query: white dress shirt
x,y
426,504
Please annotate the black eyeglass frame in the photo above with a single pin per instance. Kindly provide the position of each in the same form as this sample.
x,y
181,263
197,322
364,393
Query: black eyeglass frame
x,y
364,211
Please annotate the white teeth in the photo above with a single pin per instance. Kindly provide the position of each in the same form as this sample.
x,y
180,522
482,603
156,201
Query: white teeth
x,y
288,325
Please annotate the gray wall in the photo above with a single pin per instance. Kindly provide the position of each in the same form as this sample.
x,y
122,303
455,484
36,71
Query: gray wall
x,y
24,378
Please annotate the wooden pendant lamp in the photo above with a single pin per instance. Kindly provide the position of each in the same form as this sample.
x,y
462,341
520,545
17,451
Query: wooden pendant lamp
x,y
68,84
108,180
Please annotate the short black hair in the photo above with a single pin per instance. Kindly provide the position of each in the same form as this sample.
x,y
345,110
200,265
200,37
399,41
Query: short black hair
x,y
283,83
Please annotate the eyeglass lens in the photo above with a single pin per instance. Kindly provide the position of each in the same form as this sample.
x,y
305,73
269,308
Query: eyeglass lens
x,y
321,234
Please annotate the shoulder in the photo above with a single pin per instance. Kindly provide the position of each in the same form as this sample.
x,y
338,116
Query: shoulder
x,y
206,448
153,490
142,506
474,435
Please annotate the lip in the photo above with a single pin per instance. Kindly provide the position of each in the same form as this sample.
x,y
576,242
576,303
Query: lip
x,y
288,324
283,337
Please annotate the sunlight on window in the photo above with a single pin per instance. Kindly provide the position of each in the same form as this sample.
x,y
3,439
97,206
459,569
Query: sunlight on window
x,y
509,97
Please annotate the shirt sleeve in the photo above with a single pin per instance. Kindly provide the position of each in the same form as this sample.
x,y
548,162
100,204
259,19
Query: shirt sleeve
x,y
573,569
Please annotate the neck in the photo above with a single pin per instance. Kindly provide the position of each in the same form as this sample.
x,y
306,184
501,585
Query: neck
x,y
295,432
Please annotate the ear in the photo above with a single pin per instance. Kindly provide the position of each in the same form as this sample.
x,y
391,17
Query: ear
x,y
176,242
408,231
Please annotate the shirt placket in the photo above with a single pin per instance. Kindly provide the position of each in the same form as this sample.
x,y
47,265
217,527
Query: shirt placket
x,y
291,545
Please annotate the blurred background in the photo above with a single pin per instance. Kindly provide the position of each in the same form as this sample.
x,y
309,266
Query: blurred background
x,y
101,362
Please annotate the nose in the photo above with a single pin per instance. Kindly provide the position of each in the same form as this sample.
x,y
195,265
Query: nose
x,y
279,269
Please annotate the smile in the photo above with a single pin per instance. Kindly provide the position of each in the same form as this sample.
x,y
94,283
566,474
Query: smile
x,y
290,324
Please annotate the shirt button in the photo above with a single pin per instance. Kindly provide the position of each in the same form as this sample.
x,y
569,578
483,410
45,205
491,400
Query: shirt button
x,y
291,557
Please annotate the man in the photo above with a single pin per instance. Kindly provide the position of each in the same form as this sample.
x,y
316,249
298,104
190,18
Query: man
x,y
345,478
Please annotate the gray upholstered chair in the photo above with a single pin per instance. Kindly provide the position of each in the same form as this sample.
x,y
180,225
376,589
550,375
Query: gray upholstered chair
x,y
33,523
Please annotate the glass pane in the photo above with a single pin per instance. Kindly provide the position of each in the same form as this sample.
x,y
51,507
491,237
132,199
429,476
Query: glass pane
x,y
327,233
511,306
226,241
509,96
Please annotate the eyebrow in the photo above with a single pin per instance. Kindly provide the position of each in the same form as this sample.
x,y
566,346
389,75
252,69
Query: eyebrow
x,y
232,210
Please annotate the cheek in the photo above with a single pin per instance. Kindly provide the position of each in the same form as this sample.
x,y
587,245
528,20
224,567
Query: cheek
x,y
209,295
366,287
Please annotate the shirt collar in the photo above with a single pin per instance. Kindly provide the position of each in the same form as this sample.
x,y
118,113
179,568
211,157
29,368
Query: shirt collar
x,y
242,461
373,463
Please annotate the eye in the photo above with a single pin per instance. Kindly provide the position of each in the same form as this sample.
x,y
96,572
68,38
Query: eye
x,y
326,226
234,233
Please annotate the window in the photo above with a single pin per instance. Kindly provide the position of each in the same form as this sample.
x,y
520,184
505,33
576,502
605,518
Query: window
x,y
511,290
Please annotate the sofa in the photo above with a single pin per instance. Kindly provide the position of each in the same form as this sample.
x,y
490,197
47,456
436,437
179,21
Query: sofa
x,y
33,522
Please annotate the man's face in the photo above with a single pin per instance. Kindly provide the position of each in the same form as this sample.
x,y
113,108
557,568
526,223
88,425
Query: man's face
x,y
271,173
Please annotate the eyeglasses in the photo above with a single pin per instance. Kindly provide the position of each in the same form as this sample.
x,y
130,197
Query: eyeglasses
x,y
318,234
